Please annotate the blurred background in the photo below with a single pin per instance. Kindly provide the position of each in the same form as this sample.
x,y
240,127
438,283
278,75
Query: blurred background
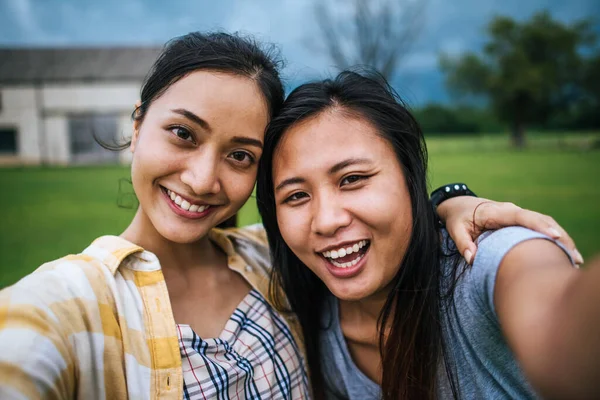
x,y
508,94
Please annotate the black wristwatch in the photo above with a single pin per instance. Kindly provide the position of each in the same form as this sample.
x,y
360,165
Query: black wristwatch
x,y
446,192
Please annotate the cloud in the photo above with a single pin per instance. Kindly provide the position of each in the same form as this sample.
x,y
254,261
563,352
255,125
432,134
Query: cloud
x,y
449,26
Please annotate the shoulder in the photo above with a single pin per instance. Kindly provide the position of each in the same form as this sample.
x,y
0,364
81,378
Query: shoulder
x,y
251,234
83,275
477,283
493,246
250,242
68,276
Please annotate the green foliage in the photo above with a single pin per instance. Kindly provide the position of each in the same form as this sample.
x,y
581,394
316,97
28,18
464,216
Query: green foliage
x,y
441,119
530,71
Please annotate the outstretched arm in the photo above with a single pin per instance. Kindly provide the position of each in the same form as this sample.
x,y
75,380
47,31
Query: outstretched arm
x,y
550,314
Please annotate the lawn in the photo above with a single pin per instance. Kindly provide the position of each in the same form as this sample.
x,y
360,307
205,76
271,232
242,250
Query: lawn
x,y
50,212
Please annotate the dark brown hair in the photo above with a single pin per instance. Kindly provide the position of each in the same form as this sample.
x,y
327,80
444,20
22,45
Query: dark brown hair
x,y
216,51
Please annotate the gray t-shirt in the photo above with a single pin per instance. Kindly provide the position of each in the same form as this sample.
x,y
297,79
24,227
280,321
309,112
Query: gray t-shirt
x,y
485,367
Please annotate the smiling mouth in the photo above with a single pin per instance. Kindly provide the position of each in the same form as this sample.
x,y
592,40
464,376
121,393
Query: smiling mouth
x,y
184,204
348,255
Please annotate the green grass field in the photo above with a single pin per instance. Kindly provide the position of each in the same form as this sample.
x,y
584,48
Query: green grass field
x,y
49,212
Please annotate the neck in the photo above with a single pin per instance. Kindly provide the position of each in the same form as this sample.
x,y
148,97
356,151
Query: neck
x,y
368,307
359,318
172,255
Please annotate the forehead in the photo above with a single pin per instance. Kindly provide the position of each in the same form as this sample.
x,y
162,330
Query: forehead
x,y
219,98
329,138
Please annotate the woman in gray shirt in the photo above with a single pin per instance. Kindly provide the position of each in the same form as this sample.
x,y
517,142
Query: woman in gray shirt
x,y
388,307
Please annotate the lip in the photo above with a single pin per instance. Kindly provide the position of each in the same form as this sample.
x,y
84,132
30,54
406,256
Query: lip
x,y
184,213
346,273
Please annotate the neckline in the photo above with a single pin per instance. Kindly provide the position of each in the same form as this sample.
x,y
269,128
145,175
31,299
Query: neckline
x,y
337,326
232,326
149,260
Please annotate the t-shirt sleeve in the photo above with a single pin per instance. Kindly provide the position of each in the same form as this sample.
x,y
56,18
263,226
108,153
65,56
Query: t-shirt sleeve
x,y
492,248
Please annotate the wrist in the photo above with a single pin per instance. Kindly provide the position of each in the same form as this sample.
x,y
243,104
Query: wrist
x,y
445,192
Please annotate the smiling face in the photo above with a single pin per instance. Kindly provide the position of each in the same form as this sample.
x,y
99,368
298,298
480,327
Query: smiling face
x,y
195,153
343,206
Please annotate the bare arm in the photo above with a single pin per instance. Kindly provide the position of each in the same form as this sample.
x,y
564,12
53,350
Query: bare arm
x,y
550,315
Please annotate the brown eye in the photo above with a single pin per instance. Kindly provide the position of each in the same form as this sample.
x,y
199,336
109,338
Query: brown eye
x,y
351,179
182,133
242,158
296,197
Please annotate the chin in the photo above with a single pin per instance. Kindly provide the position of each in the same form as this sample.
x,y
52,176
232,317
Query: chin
x,y
183,237
349,292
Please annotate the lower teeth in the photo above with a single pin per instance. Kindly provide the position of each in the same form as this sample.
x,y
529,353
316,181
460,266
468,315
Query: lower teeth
x,y
347,264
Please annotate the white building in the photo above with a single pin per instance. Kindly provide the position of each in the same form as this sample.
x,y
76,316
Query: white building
x,y
51,100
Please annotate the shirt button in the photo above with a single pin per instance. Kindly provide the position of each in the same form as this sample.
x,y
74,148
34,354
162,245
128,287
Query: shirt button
x,y
249,268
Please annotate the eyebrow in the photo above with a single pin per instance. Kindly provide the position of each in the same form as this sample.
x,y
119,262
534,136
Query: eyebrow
x,y
236,139
193,117
247,140
346,163
336,168
290,181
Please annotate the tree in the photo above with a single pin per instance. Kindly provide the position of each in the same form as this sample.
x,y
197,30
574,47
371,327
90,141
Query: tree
x,y
440,119
528,70
376,33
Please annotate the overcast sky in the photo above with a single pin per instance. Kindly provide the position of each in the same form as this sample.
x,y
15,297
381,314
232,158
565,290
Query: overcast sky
x,y
449,25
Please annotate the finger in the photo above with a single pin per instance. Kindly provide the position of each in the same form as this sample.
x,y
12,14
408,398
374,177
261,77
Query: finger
x,y
495,215
464,242
547,225
566,240
578,257
469,253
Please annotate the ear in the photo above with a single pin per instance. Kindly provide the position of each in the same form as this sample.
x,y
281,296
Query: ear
x,y
137,124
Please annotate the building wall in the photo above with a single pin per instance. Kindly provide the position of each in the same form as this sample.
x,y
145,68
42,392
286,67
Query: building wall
x,y
41,114
57,145
20,111
98,97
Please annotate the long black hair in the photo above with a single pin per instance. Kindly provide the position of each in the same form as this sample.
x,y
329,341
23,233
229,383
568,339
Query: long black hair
x,y
412,349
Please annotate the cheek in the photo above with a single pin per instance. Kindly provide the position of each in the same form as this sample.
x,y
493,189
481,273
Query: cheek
x,y
388,214
151,159
238,185
398,234
389,207
292,225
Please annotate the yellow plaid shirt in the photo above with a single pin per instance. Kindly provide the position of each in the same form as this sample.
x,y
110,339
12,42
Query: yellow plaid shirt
x,y
99,325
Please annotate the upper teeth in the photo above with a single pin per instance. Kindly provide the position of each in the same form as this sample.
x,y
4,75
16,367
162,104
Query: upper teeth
x,y
344,251
184,204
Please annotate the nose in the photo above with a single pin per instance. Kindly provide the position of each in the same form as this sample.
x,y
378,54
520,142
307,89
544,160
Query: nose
x,y
201,173
329,215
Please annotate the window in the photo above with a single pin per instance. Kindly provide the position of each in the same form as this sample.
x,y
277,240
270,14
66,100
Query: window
x,y
83,128
8,141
